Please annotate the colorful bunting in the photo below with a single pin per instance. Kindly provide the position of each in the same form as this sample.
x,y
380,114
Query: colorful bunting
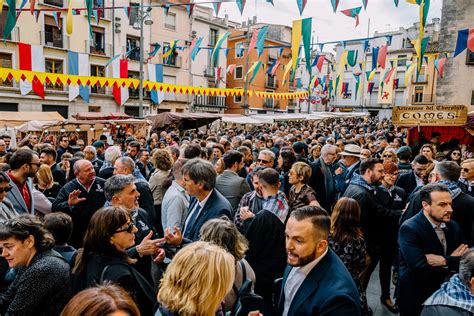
x,y
69,19
89,5
408,73
261,39
296,36
155,48
241,5
253,40
190,9
170,49
155,74
375,57
370,87
439,64
382,56
396,3
396,83
465,40
32,6
287,69
78,65
306,26
420,49
230,69
352,57
275,67
388,75
335,4
353,13
301,5
217,7
11,19
254,69
364,2
195,48
319,64
220,41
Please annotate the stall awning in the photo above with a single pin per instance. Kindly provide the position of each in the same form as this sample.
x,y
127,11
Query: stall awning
x,y
101,116
184,121
12,119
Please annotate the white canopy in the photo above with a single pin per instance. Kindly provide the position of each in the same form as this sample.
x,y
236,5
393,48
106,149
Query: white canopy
x,y
240,119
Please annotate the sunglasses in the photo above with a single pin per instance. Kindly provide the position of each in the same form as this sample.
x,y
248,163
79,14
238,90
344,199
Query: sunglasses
x,y
387,156
7,189
263,161
456,154
129,229
466,170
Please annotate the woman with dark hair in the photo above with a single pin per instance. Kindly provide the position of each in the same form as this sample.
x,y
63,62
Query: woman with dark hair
x,y
454,155
110,233
7,211
285,161
41,286
106,299
348,243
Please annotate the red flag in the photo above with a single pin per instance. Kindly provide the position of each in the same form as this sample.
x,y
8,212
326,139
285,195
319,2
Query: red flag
x,y
470,40
382,56
441,64
319,64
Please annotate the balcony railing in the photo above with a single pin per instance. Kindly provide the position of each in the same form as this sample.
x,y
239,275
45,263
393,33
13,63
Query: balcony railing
x,y
135,54
420,79
56,3
173,62
52,40
209,101
422,98
98,48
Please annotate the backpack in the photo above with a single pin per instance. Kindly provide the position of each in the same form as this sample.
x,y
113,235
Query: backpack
x,y
247,301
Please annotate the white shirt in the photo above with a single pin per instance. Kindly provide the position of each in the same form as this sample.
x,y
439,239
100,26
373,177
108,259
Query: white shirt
x,y
296,278
419,181
201,204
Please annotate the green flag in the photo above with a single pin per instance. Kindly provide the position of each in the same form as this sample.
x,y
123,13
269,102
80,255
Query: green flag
x,y
11,19
306,33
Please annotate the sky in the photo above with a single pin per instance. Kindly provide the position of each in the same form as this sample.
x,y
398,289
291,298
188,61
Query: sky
x,y
330,26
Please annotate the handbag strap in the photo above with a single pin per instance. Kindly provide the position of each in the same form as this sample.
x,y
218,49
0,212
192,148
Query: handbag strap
x,y
244,278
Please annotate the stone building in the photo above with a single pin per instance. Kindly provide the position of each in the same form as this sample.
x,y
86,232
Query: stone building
x,y
457,84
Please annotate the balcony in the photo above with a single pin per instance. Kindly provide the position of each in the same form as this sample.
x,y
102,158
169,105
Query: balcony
x,y
51,39
175,62
208,101
420,79
422,98
98,48
134,54
271,82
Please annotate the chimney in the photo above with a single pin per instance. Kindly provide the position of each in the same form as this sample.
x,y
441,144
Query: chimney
x,y
254,21
244,24
226,19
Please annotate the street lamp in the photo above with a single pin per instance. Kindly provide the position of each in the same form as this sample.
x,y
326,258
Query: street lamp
x,y
143,18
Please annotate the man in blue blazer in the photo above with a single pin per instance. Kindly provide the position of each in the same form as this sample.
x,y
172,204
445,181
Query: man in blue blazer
x,y
207,203
430,249
316,282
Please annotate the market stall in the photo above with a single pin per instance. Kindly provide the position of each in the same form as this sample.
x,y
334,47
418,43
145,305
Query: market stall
x,y
13,119
183,121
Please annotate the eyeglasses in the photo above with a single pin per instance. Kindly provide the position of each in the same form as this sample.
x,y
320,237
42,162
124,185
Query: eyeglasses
x,y
6,189
456,154
129,229
37,164
387,156
263,161
466,170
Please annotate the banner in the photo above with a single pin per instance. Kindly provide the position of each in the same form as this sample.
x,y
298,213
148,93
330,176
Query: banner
x,y
429,115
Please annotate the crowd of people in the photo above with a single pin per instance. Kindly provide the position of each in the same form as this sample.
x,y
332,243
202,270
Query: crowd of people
x,y
285,219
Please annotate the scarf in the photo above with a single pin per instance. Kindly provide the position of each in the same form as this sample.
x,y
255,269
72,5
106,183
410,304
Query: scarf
x,y
328,179
453,188
277,205
453,293
466,183
357,179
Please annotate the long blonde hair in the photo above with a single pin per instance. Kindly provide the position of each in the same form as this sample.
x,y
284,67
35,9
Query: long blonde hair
x,y
45,176
199,290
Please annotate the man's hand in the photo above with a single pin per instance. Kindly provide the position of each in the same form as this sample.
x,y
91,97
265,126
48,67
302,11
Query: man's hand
x,y
74,198
175,239
159,256
436,261
338,171
148,246
461,250
245,213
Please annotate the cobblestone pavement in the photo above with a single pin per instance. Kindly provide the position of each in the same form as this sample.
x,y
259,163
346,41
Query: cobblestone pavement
x,y
373,295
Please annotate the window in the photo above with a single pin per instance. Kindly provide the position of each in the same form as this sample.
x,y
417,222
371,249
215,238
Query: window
x,y
133,14
172,58
239,72
472,97
469,57
56,67
213,37
170,21
418,97
169,96
239,50
56,3
97,45
97,71
133,46
52,35
94,109
402,61
133,92
8,107
6,62
132,110
61,109
271,81
237,98
269,103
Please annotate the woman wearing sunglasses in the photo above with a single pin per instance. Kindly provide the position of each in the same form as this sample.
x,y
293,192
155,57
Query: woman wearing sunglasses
x,y
110,233
6,208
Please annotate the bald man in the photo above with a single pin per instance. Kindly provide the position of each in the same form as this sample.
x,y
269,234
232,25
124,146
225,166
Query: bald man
x,y
81,198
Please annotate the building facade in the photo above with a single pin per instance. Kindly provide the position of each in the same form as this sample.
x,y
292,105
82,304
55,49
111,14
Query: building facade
x,y
457,85
238,41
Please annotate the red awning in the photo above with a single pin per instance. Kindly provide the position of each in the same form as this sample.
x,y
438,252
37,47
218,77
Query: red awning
x,y
101,116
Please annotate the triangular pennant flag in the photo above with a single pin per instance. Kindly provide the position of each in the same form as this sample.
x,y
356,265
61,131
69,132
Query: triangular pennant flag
x,y
375,56
321,47
275,67
217,7
440,66
241,5
280,51
89,6
127,10
57,16
271,1
230,69
343,44
364,3
32,6
389,39
335,4
253,40
365,44
306,26
95,13
382,56
319,64
215,51
352,57
69,18
470,40
287,69
190,9
461,43
166,8
195,49
296,41
301,5
396,3
154,48
11,19
37,13
353,13
261,39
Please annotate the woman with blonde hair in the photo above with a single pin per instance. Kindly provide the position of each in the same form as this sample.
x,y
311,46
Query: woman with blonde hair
x,y
198,290
224,233
45,183
105,299
389,154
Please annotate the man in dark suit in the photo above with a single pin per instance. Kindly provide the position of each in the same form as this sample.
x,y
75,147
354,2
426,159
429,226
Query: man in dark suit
x,y
48,156
416,177
207,203
229,183
430,248
322,179
316,282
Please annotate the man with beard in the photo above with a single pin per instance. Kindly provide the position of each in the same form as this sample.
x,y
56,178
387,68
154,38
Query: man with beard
x,y
316,282
24,164
81,198
248,160
48,157
430,248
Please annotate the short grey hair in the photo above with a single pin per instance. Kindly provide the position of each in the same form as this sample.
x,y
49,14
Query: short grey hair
x,y
112,153
466,267
200,171
327,148
116,184
127,162
448,170
268,152
92,149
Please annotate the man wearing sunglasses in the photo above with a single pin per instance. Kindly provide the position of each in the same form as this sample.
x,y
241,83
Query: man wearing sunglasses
x,y
121,191
24,164
467,177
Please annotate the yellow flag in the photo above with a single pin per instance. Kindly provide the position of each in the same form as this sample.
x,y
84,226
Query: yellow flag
x,y
1,6
251,69
287,69
68,18
311,85
411,1
295,40
409,72
372,74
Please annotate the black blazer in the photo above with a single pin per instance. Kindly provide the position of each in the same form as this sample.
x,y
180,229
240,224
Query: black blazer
x,y
216,206
407,182
417,279
317,182
327,290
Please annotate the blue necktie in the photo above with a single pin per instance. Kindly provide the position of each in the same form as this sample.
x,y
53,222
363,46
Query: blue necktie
x,y
191,221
